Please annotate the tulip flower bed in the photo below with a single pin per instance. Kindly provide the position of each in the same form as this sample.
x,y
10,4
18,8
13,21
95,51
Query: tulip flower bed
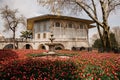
x,y
13,54
98,66
80,66
39,69
7,54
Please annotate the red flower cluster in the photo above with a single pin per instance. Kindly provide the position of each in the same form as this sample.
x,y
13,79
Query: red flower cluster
x,y
102,66
39,69
7,55
13,54
82,65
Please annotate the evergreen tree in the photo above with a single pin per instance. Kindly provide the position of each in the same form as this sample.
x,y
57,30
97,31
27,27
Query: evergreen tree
x,y
98,44
26,34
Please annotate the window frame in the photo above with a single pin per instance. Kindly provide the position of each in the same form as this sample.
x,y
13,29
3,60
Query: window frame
x,y
70,25
44,35
57,24
38,35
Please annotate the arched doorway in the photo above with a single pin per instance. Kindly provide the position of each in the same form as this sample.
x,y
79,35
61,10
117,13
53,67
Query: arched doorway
x,y
41,46
59,47
27,46
82,48
8,46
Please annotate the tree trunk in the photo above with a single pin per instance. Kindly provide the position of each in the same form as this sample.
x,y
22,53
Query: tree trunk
x,y
14,39
100,35
26,39
106,38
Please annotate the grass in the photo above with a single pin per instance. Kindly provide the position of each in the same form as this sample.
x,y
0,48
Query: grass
x,y
45,54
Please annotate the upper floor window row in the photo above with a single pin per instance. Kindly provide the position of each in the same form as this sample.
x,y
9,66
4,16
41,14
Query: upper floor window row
x,y
70,25
41,26
58,24
81,26
39,35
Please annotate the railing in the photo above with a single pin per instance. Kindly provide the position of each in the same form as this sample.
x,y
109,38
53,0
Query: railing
x,y
16,39
32,40
69,39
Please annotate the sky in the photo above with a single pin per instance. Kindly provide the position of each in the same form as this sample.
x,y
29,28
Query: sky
x,y
30,8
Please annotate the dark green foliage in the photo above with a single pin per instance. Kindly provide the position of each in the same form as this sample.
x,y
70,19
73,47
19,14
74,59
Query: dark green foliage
x,y
26,34
113,40
98,44
56,54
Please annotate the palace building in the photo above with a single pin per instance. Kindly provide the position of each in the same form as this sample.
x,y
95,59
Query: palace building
x,y
68,32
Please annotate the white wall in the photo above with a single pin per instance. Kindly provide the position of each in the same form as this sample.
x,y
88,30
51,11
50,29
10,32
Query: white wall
x,y
69,37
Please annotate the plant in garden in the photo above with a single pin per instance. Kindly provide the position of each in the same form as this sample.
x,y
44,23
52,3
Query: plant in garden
x,y
53,55
98,66
11,20
84,66
7,54
26,34
40,69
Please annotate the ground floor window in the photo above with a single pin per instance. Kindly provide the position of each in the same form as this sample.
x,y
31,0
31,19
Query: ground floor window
x,y
27,46
38,36
41,46
44,35
8,46
59,47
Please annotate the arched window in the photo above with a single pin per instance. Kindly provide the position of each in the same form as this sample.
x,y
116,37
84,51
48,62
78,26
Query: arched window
x,y
81,26
28,46
59,47
8,46
70,25
41,46
57,24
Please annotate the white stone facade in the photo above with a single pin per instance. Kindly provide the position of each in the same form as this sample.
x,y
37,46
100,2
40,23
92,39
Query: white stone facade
x,y
68,32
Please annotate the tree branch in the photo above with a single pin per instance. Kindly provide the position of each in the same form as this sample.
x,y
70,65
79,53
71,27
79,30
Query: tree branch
x,y
90,15
104,13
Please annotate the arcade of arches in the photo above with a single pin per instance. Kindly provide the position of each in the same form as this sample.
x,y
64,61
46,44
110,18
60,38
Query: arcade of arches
x,y
41,46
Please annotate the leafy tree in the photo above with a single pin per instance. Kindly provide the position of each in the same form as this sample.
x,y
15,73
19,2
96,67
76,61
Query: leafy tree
x,y
11,21
98,10
26,34
93,38
113,40
116,31
98,44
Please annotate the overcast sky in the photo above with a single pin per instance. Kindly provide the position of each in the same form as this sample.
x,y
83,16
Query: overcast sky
x,y
30,8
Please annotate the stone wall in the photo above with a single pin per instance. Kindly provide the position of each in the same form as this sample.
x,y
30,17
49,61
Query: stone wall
x,y
39,45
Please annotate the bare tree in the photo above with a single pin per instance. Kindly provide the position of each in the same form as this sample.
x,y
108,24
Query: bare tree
x,y
11,21
116,31
97,10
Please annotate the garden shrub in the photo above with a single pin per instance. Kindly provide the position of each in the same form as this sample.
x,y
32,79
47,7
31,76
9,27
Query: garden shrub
x,y
79,66
39,69
7,54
